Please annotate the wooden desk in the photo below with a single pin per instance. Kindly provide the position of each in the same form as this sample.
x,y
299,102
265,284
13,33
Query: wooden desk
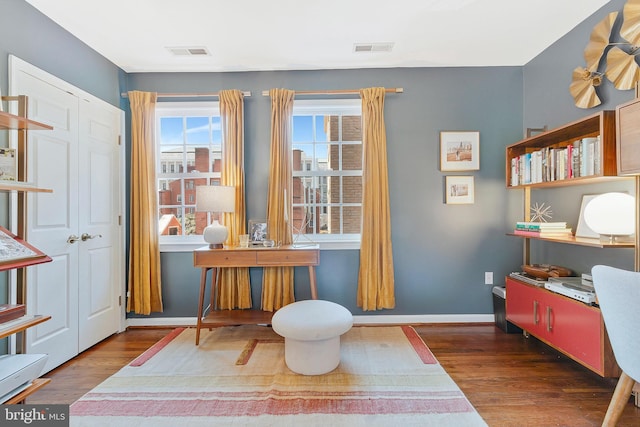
x,y
213,259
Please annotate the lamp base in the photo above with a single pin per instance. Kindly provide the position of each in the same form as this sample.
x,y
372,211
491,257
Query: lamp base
x,y
215,234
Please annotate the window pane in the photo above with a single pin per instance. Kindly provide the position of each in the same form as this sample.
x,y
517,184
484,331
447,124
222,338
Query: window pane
x,y
302,156
321,163
352,216
352,157
302,128
333,162
171,131
321,128
351,128
352,189
216,130
171,158
198,130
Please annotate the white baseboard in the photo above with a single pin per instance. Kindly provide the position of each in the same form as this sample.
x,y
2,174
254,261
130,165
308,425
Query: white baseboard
x,y
357,320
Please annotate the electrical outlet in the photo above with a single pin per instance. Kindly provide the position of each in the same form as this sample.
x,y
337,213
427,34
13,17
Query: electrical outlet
x,y
488,277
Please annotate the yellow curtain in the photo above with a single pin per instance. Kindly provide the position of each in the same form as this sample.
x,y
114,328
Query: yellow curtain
x,y
234,285
277,282
375,278
145,291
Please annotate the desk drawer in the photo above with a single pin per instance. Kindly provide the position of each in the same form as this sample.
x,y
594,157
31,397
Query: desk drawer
x,y
277,257
224,258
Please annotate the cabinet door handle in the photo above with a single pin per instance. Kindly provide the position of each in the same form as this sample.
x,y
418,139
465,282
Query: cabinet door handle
x,y
549,326
535,312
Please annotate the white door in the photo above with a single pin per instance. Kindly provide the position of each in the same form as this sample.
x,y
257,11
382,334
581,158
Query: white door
x,y
80,161
99,200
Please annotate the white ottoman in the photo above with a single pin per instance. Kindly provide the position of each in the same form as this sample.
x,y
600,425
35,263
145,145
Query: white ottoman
x,y
311,331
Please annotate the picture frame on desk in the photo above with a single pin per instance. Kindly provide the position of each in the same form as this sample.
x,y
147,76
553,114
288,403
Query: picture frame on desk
x,y
459,150
257,232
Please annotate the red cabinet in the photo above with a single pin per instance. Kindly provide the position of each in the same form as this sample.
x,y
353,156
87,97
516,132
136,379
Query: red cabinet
x,y
570,326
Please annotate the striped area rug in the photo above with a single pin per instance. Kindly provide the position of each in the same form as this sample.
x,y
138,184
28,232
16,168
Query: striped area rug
x,y
237,377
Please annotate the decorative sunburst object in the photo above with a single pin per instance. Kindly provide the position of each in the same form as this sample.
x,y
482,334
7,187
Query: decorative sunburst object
x,y
610,53
540,213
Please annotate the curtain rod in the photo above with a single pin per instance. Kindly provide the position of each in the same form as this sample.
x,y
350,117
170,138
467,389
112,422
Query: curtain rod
x,y
337,92
187,95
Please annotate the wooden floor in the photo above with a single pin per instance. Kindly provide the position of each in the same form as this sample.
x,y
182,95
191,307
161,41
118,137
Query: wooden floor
x,y
511,380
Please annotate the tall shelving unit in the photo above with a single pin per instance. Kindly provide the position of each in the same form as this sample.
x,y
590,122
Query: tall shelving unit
x,y
550,317
21,124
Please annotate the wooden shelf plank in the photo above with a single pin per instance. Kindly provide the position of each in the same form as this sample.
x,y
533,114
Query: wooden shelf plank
x,y
581,241
22,186
36,385
20,324
237,317
11,121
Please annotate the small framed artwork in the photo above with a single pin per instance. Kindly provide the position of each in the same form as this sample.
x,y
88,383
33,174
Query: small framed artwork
x,y
257,231
8,164
459,151
459,190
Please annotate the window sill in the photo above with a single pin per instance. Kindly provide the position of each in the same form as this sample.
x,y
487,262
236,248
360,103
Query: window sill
x,y
190,246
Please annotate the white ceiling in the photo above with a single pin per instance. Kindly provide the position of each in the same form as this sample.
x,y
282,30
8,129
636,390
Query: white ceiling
x,y
247,35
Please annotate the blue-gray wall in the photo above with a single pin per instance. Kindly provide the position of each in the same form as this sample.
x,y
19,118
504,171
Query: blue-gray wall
x,y
547,101
440,251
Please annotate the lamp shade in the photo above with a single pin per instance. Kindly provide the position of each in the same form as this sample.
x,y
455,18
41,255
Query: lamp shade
x,y
215,198
611,214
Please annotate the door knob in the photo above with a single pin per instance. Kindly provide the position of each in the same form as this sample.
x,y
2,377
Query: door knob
x,y
72,239
87,236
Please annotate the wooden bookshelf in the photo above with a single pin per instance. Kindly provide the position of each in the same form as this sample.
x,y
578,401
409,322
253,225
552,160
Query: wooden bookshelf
x,y
581,241
602,125
22,186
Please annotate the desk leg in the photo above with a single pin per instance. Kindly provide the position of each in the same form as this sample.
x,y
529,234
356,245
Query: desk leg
x,y
312,282
203,285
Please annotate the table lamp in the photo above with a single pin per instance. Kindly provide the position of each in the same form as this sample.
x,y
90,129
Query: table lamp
x,y
611,215
215,199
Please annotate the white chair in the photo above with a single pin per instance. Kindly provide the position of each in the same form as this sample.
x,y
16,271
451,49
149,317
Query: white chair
x,y
618,294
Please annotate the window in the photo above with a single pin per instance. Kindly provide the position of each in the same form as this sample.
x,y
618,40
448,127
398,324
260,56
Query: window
x,y
189,152
327,169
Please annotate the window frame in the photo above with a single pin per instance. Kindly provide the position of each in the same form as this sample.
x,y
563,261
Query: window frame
x,y
173,243
344,107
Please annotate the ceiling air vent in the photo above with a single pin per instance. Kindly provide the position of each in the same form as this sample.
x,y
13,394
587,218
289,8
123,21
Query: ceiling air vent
x,y
189,51
372,47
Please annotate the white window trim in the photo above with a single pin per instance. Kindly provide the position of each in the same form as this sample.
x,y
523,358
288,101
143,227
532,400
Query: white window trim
x,y
320,107
326,242
171,109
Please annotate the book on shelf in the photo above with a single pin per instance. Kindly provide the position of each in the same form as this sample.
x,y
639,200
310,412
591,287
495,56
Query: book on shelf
x,y
561,232
535,226
10,312
578,158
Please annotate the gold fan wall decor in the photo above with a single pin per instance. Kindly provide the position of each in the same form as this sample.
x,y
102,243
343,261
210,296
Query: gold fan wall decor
x,y
620,66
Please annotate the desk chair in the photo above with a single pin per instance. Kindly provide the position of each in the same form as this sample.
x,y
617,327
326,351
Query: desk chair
x,y
618,293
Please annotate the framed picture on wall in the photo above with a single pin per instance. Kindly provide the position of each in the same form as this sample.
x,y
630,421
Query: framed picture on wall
x,y
459,150
459,190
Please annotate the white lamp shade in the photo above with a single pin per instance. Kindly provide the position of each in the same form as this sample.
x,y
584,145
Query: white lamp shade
x,y
215,198
611,214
